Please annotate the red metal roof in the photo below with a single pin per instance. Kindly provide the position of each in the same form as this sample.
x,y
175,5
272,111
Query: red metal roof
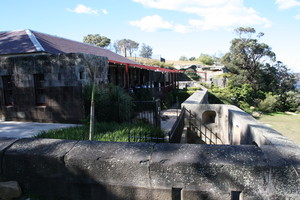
x,y
28,41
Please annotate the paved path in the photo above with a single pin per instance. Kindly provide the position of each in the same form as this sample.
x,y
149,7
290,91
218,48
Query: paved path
x,y
27,129
168,118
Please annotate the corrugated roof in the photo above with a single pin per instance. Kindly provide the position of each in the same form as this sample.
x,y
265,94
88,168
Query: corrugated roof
x,y
28,41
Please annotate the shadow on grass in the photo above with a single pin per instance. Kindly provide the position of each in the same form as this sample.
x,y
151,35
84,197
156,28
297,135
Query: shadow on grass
x,y
277,113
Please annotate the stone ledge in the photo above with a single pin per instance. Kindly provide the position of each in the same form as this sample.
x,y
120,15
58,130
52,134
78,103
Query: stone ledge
x,y
111,162
91,169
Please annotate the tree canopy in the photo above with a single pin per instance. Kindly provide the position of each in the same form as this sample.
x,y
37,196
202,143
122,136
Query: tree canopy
x,y
255,77
183,58
96,39
146,51
126,46
206,59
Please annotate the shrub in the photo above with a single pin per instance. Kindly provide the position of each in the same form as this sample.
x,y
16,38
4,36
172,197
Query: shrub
x,y
289,101
245,106
193,88
193,75
213,99
269,104
142,94
112,103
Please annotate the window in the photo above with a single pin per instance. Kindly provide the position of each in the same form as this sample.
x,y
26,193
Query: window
x,y
176,193
7,90
81,75
39,89
236,195
59,76
209,117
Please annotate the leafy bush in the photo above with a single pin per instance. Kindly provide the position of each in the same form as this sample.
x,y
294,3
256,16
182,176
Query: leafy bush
x,y
112,103
142,94
193,75
183,94
193,88
224,95
213,99
289,101
269,104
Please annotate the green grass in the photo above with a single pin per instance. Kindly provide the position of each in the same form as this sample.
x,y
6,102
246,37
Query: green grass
x,y
108,131
285,123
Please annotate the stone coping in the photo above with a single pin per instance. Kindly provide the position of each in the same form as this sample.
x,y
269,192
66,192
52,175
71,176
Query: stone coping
x,y
217,169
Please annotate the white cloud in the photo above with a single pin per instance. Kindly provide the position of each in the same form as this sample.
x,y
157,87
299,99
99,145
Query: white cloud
x,y
104,11
286,4
82,9
152,23
210,14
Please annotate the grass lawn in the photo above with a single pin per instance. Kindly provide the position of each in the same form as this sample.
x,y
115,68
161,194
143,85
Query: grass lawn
x,y
286,123
108,131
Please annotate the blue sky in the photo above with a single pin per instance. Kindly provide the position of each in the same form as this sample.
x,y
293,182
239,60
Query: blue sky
x,y
173,28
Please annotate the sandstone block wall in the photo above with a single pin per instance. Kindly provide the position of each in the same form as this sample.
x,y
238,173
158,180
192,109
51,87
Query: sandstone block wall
x,y
62,169
65,75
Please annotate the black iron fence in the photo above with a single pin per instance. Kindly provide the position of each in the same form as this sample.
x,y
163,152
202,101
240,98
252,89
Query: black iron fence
x,y
147,111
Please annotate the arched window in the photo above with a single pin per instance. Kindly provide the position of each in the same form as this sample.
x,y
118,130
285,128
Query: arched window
x,y
209,117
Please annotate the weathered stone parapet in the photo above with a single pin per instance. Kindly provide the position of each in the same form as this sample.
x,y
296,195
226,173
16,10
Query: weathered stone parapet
x,y
110,170
199,97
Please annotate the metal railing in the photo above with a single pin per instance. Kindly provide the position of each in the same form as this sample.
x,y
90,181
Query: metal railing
x,y
204,132
148,111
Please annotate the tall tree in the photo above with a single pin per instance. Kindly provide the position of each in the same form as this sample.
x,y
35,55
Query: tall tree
x,y
132,47
115,46
96,39
255,77
183,58
127,46
122,46
248,54
146,51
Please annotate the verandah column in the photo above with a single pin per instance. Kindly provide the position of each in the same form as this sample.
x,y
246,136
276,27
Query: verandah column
x,y
127,77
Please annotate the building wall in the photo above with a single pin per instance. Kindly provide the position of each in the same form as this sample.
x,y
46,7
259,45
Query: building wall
x,y
64,75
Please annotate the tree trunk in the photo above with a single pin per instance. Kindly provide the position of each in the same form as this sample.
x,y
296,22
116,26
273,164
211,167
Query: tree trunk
x,y
92,114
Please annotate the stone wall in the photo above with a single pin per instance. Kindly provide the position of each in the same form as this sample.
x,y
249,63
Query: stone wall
x,y
233,125
65,75
62,169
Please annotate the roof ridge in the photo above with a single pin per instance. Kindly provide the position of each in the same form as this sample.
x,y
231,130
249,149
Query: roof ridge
x,y
69,39
79,43
34,40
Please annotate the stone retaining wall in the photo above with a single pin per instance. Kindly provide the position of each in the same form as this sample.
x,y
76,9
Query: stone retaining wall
x,y
62,169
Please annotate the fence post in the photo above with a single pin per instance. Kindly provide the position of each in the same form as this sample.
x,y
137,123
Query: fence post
x,y
157,113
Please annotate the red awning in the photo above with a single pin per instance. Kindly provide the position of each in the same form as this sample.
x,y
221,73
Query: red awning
x,y
157,69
